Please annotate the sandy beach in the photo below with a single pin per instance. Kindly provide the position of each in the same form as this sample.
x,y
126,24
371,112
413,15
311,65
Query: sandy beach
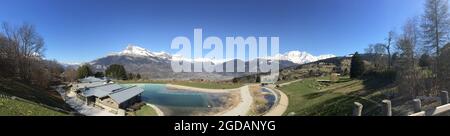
x,y
241,109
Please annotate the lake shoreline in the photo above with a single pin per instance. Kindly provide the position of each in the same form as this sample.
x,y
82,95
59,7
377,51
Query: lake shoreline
x,y
195,89
237,108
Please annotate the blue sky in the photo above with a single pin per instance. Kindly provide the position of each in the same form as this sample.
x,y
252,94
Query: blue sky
x,y
83,30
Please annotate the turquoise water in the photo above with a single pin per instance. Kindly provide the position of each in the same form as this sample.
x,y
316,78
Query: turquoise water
x,y
158,94
179,102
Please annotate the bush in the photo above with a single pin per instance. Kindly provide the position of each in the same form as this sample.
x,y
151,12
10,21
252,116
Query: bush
x,y
387,75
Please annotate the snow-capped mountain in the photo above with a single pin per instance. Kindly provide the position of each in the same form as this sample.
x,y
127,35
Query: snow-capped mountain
x,y
326,56
70,65
133,50
297,57
157,65
300,57
163,55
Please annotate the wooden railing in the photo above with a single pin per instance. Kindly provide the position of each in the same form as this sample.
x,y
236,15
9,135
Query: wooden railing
x,y
417,107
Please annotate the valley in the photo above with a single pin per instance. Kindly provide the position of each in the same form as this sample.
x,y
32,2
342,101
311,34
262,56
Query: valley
x,y
336,61
157,65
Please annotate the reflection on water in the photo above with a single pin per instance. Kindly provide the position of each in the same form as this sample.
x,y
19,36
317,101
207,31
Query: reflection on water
x,y
181,102
270,97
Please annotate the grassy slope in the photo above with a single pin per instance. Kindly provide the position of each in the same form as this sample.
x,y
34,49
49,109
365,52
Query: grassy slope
x,y
46,97
207,85
312,98
146,111
10,107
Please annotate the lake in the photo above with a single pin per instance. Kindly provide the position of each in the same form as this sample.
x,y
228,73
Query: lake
x,y
175,102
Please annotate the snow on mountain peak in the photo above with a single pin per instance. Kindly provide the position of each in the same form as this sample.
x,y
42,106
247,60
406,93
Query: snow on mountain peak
x,y
163,55
298,57
326,56
136,50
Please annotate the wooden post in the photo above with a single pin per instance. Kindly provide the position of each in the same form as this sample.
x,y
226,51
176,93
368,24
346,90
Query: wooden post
x,y
387,108
357,110
417,105
444,97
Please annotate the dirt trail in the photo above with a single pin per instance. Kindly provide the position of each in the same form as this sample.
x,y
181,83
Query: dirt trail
x,y
281,106
244,106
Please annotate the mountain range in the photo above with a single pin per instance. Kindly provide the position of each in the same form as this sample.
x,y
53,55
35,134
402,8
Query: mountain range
x,y
157,65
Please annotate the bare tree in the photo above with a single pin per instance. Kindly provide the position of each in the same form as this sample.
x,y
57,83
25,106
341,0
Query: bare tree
x,y
21,56
370,50
70,75
5,66
406,46
9,51
390,40
25,47
379,56
435,25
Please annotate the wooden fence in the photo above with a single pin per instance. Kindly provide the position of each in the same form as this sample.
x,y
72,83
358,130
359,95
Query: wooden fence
x,y
417,106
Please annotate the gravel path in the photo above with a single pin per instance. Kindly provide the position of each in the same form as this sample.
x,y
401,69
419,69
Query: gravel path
x,y
290,82
244,106
281,106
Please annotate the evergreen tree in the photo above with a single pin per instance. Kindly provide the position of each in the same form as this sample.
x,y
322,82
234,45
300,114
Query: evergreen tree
x,y
84,71
357,66
99,74
425,60
138,76
116,71
130,76
258,79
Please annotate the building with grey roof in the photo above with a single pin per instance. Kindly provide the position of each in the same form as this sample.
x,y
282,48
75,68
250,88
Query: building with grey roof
x,y
110,97
91,80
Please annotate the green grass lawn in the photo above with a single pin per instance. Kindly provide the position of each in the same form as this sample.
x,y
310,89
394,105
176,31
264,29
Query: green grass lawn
x,y
10,107
311,98
283,81
146,111
38,102
198,84
37,95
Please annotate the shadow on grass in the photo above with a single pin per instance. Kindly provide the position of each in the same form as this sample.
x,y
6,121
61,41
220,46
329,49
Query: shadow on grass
x,y
316,95
327,91
340,106
377,80
342,80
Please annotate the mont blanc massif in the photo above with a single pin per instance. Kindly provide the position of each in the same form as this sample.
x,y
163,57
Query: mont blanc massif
x,y
157,65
